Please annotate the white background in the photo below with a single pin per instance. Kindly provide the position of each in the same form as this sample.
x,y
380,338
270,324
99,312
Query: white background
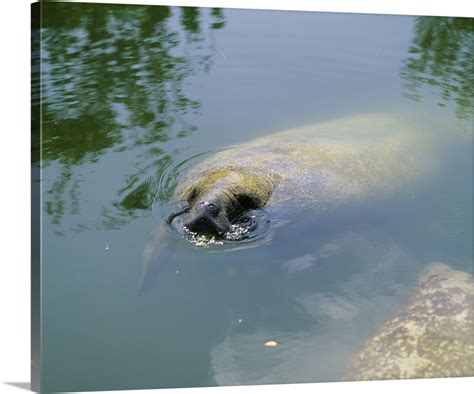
x,y
15,190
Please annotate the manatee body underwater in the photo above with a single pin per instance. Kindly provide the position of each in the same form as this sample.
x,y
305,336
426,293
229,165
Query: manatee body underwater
x,y
319,167
432,336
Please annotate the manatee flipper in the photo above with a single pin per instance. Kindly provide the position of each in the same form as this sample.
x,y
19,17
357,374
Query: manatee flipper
x,y
155,256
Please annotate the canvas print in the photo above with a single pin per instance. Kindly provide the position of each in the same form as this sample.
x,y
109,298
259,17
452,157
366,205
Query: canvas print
x,y
234,197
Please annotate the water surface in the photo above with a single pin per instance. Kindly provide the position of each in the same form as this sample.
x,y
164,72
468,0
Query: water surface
x,y
133,96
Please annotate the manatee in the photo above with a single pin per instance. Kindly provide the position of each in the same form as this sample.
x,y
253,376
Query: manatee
x,y
432,336
318,166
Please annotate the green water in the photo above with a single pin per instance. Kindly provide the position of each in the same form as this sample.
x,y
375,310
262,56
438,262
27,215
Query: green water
x,y
133,96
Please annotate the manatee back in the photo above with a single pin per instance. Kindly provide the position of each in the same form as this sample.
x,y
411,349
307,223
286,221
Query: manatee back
x,y
326,164
433,336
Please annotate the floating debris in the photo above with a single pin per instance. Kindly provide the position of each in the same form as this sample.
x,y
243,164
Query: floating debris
x,y
106,246
271,344
202,243
202,240
240,320
177,271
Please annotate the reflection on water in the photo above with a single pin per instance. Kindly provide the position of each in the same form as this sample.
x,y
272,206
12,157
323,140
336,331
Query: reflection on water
x,y
134,96
113,78
442,56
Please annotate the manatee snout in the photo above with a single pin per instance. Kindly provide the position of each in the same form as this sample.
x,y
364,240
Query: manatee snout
x,y
215,200
207,217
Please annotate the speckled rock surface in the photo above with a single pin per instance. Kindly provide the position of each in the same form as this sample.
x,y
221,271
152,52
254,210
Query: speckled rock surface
x,y
433,336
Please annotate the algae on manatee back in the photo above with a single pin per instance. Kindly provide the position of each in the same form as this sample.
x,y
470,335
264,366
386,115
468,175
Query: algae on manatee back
x,y
322,165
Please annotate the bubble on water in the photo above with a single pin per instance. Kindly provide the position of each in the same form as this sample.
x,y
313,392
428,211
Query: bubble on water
x,y
236,232
201,240
246,227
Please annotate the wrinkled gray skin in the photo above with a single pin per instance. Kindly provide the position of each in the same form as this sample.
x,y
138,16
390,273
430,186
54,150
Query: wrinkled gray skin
x,y
432,336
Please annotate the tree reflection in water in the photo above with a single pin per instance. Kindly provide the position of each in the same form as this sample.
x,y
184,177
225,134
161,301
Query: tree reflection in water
x,y
112,79
442,56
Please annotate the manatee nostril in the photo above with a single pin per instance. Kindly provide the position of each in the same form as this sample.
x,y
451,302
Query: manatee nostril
x,y
213,210
208,208
207,204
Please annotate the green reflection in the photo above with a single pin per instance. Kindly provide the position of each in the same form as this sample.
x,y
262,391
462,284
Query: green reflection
x,y
113,79
442,56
